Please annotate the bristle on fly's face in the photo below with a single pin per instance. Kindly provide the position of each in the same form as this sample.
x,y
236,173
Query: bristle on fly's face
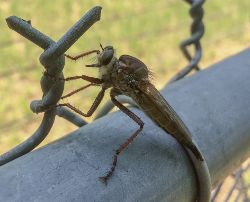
x,y
94,60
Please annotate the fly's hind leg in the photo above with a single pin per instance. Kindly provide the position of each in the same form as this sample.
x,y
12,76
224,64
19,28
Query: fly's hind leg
x,y
137,120
89,113
94,82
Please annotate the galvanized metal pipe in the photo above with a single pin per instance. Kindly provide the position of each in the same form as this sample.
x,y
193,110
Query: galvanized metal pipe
x,y
213,103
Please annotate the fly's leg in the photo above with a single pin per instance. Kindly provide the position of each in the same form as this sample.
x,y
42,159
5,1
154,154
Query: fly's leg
x,y
137,120
78,90
94,82
82,55
89,113
84,77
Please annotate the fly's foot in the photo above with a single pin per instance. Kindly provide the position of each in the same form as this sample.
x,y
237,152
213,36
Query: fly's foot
x,y
45,73
41,106
48,107
104,180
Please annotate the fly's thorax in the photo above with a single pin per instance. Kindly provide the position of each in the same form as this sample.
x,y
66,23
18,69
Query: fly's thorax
x,y
133,67
122,80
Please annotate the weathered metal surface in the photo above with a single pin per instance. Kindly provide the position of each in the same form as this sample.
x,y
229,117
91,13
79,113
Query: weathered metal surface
x,y
213,103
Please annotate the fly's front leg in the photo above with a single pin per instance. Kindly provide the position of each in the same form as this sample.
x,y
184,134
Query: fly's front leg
x,y
137,120
84,77
92,80
89,113
82,55
78,90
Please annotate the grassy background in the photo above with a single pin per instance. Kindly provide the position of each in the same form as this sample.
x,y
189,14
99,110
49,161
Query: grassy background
x,y
148,30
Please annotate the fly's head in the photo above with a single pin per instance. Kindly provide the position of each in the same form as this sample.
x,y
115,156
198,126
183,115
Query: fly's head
x,y
106,60
107,57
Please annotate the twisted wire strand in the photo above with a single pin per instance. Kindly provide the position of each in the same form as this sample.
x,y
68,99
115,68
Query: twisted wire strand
x,y
25,29
53,60
238,185
197,31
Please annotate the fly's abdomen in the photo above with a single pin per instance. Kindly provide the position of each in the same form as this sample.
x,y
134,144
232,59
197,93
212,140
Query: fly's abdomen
x,y
160,119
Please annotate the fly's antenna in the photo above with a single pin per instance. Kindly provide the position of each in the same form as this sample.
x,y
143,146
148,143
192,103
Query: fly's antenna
x,y
101,46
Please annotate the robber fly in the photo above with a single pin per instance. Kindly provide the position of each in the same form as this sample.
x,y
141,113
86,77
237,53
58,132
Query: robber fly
x,y
129,76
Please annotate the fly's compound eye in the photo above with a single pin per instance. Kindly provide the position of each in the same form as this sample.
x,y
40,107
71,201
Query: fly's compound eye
x,y
107,55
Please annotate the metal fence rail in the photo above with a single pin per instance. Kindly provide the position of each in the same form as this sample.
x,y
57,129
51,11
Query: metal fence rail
x,y
214,105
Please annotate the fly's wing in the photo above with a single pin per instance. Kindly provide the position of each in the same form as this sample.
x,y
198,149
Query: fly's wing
x,y
154,95
140,71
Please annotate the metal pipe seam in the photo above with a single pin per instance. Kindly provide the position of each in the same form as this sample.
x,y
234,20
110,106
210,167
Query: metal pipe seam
x,y
213,103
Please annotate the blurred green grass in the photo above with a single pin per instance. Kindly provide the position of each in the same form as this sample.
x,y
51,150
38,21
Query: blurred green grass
x,y
148,30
